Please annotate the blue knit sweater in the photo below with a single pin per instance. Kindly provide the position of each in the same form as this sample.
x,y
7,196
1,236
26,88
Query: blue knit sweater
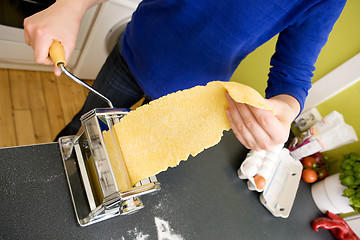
x,y
171,45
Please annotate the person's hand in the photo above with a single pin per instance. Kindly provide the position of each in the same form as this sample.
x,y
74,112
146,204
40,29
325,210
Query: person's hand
x,y
260,129
60,22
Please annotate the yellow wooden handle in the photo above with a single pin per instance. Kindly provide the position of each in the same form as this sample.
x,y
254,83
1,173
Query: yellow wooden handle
x,y
57,54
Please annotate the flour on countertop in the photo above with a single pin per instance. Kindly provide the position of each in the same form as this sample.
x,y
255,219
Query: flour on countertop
x,y
164,231
164,206
43,179
135,234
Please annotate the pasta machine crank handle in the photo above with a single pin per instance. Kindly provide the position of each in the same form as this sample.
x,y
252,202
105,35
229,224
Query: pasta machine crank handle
x,y
57,55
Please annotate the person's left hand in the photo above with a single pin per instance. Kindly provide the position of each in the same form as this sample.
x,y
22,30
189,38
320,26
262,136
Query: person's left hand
x,y
260,129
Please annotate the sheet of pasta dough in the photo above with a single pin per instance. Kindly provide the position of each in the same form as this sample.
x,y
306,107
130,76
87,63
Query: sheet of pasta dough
x,y
167,130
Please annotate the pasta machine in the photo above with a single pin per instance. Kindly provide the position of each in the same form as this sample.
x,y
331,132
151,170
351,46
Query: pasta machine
x,y
91,177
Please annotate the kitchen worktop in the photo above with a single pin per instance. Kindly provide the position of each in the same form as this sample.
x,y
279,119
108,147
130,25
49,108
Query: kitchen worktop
x,y
202,198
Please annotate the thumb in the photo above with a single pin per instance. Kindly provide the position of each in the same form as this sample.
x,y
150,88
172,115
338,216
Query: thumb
x,y
57,71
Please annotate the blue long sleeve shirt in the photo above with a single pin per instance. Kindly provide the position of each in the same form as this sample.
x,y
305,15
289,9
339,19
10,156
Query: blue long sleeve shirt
x,y
171,45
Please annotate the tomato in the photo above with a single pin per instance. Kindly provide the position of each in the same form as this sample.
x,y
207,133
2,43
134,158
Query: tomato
x,y
319,158
309,175
309,162
322,173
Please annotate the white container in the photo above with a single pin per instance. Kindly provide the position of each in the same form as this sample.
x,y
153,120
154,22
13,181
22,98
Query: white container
x,y
282,174
327,195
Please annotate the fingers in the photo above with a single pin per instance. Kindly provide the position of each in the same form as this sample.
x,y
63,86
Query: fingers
x,y
27,39
57,71
237,133
272,125
238,125
41,50
39,40
26,35
255,128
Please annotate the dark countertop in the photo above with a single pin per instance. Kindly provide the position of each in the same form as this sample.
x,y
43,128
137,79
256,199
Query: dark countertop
x,y
202,198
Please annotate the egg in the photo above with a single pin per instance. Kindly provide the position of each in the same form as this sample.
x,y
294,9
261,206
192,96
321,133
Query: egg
x,y
255,161
259,154
269,164
277,149
265,171
249,169
260,181
272,157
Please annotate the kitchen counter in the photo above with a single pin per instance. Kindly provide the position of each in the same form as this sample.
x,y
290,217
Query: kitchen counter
x,y
202,198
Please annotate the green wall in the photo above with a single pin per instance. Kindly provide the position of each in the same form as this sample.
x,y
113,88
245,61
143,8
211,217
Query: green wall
x,y
348,104
343,44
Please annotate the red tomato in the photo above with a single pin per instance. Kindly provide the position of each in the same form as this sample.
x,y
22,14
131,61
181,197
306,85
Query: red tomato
x,y
319,158
309,175
322,173
309,162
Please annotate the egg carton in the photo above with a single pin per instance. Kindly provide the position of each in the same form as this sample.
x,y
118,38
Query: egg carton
x,y
276,175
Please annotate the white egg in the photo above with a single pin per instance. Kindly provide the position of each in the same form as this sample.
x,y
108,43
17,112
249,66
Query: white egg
x,y
249,169
271,156
255,161
268,164
277,149
259,154
265,172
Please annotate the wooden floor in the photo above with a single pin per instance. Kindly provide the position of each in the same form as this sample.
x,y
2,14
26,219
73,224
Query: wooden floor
x,y
35,106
